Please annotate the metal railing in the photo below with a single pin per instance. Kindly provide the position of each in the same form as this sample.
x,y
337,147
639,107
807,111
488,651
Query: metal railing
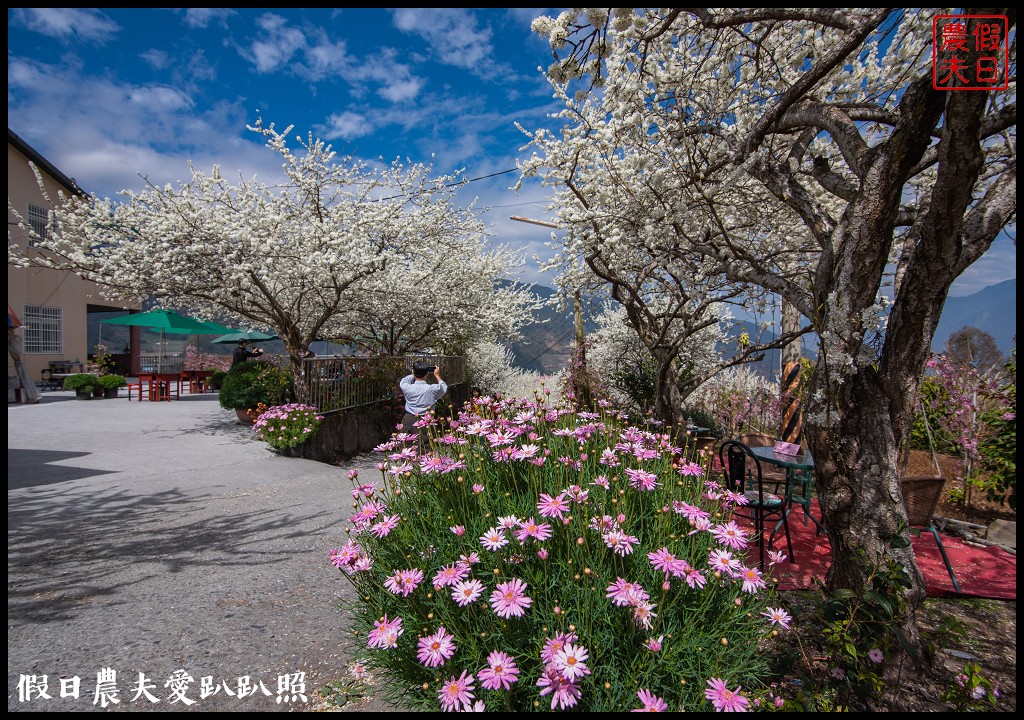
x,y
340,383
165,364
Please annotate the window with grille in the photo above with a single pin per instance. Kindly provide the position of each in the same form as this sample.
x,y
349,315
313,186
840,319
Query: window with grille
x,y
44,330
38,218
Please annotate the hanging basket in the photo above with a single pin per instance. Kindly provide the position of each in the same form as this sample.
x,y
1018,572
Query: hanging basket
x,y
921,494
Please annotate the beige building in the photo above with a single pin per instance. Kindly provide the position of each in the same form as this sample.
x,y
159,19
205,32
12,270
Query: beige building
x,y
52,305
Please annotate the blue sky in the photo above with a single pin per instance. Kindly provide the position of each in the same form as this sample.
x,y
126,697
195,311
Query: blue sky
x,y
114,96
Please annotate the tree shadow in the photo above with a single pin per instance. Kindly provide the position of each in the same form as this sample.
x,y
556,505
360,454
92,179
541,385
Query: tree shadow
x,y
67,549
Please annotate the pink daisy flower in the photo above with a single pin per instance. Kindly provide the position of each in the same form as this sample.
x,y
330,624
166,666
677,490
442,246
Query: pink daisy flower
x,y
553,645
571,661
458,530
723,561
643,614
752,580
724,699
690,469
494,539
777,616
509,599
385,526
385,633
688,511
654,644
501,671
532,529
624,593
694,578
641,479
601,481
620,542
508,522
466,592
457,692
410,580
731,535
555,507
651,702
665,561
564,693
435,649
450,574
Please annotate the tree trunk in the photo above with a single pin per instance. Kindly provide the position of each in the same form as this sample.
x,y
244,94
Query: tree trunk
x,y
856,463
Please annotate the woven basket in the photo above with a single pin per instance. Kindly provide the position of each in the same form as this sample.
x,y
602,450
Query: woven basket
x,y
921,495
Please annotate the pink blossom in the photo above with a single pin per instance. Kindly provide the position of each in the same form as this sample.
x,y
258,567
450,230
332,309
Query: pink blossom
x,y
450,574
494,539
510,599
571,661
385,633
532,529
564,692
552,506
466,592
651,702
501,671
385,526
731,535
724,699
456,693
435,649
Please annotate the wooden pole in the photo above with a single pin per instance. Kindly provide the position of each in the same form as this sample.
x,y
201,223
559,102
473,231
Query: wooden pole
x,y
792,413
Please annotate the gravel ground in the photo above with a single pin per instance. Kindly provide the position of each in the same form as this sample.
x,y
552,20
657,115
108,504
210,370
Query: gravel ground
x,y
161,538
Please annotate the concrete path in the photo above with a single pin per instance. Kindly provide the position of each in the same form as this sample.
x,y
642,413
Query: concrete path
x,y
162,537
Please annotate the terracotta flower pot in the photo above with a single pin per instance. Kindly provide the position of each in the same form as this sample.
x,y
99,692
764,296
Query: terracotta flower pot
x,y
243,417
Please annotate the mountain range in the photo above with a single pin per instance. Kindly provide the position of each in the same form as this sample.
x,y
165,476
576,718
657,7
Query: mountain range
x,y
547,344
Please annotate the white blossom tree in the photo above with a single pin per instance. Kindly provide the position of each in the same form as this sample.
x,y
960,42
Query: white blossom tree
x,y
806,152
314,256
625,365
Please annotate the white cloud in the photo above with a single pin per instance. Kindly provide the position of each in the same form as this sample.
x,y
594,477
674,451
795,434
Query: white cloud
x,y
277,46
346,125
156,59
452,34
71,24
159,99
202,17
401,91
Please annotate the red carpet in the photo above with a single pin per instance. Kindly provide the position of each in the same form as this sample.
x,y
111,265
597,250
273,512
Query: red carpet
x,y
988,572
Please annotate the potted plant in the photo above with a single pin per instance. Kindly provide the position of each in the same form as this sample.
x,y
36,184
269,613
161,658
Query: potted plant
x,y
83,385
251,383
111,384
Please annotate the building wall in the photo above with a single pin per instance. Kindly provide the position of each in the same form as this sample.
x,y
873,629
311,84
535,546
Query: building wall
x,y
42,286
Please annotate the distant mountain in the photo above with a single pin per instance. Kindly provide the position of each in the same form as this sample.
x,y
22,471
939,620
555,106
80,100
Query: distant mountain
x,y
547,346
993,310
547,343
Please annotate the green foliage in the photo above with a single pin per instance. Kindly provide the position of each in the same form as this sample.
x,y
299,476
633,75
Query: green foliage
x,y
110,382
637,383
81,382
428,515
999,452
217,379
861,631
972,691
286,426
253,382
935,402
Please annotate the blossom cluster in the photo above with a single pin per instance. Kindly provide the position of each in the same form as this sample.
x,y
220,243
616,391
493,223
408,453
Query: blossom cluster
x,y
515,542
285,426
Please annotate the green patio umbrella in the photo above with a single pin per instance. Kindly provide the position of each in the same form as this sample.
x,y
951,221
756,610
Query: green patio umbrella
x,y
167,321
236,336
